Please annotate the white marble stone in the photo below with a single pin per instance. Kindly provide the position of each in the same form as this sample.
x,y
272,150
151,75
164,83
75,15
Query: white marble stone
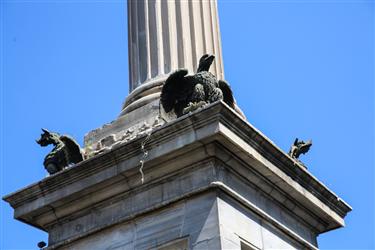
x,y
193,219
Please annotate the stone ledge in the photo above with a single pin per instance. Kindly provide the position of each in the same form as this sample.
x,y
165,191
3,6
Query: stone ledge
x,y
37,203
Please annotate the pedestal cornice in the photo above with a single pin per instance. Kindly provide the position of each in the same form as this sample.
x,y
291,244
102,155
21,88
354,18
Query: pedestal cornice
x,y
210,149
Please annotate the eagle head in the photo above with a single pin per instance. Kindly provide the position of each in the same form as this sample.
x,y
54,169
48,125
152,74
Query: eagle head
x,y
205,62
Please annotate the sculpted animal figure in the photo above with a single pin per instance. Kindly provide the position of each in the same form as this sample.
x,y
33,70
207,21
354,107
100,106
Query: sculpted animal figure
x,y
299,147
66,151
184,93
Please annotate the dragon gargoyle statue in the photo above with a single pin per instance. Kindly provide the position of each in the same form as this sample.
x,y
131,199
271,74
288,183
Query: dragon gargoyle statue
x,y
299,147
184,93
66,151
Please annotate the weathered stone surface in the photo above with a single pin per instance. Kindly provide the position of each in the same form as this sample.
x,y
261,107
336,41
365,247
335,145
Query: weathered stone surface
x,y
108,141
211,153
126,128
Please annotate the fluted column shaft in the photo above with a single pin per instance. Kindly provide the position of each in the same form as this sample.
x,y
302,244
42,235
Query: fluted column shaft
x,y
165,35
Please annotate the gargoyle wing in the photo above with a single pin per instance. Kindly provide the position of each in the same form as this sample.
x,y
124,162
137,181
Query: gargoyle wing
x,y
305,147
73,147
176,91
227,93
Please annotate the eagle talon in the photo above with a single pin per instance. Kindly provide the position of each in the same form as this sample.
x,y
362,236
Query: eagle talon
x,y
192,106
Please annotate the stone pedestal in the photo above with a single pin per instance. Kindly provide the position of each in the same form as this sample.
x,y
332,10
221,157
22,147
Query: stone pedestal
x,y
212,181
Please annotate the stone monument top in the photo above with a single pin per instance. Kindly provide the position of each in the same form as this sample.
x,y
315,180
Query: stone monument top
x,y
204,178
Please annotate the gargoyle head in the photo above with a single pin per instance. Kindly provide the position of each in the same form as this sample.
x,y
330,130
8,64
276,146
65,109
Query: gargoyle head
x,y
46,138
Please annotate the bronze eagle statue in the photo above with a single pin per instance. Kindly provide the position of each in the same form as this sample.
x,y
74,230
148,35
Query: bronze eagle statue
x,y
183,93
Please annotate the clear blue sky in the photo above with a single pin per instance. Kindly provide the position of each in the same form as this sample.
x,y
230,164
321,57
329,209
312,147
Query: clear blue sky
x,y
297,68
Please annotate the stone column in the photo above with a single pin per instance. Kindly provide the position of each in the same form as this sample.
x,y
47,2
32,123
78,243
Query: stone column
x,y
165,35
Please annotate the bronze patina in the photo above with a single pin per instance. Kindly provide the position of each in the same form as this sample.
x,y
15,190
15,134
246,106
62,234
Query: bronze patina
x,y
299,147
66,151
184,93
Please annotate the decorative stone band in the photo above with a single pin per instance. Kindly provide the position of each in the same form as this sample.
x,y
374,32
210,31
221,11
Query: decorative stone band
x,y
143,94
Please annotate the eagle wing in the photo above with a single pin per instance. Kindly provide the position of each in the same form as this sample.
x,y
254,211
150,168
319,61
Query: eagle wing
x,y
227,93
176,91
